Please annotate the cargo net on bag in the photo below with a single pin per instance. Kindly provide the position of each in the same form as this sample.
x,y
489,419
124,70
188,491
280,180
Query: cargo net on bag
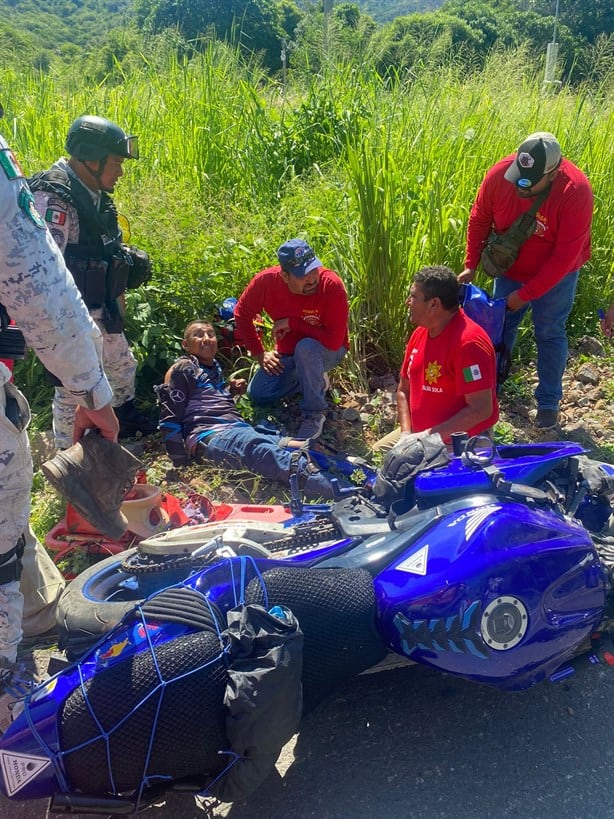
x,y
160,715
156,716
134,728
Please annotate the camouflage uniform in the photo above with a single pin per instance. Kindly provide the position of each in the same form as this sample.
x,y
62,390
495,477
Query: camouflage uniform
x,y
40,295
119,363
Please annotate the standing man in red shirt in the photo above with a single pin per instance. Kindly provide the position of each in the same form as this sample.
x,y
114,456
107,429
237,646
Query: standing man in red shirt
x,y
309,308
448,380
545,273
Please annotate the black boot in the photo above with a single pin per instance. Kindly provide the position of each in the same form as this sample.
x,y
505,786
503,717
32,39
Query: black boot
x,y
132,420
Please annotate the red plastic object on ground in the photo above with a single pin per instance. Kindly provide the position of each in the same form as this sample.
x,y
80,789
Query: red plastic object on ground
x,y
73,535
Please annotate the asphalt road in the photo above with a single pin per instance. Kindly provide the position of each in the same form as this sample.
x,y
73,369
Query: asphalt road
x,y
412,742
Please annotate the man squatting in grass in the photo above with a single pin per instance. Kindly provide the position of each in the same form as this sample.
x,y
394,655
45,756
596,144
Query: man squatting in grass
x,y
545,273
448,380
199,419
309,308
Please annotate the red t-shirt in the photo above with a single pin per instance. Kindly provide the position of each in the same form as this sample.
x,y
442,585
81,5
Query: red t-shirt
x,y
323,316
562,240
442,370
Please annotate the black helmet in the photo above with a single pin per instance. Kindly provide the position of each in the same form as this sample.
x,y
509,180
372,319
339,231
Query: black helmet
x,y
94,138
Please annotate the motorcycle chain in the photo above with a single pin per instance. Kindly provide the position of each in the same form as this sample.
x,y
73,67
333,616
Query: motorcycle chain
x,y
305,537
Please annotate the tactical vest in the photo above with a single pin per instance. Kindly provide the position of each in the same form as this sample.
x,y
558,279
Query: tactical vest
x,y
97,261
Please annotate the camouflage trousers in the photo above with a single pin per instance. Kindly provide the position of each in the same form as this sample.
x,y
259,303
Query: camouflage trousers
x,y
120,367
30,602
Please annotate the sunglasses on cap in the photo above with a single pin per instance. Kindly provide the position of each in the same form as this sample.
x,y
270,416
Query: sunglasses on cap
x,y
302,262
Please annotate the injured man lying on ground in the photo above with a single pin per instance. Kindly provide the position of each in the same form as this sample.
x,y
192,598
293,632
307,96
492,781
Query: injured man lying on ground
x,y
199,421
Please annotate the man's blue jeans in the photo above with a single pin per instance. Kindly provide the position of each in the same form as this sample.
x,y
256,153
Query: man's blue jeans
x,y
549,313
243,447
303,372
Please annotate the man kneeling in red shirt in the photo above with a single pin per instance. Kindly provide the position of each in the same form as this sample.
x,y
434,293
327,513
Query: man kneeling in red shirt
x,y
448,379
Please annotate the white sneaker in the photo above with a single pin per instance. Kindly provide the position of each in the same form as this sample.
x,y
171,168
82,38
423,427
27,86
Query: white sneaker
x,y
310,428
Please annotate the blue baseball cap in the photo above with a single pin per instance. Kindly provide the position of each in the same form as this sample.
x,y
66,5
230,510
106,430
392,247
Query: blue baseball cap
x,y
297,257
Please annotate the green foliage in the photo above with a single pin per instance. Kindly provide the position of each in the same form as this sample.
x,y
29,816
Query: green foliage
x,y
379,173
386,10
40,30
431,39
339,38
46,507
586,18
256,26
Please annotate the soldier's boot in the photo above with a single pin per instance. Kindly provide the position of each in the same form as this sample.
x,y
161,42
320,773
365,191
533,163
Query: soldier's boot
x,y
94,475
132,420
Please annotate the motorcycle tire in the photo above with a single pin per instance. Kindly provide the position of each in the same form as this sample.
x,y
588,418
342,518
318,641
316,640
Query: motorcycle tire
x,y
94,602
97,599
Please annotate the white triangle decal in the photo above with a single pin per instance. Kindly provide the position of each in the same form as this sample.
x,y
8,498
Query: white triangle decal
x,y
416,563
19,769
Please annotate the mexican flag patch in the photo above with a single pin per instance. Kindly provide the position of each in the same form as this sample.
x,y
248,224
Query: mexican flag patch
x,y
9,164
472,373
55,217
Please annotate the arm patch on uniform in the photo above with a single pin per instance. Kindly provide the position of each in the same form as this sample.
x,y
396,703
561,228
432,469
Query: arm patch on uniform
x,y
9,164
26,204
55,217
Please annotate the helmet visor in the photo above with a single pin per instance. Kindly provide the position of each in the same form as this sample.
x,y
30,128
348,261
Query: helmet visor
x,y
131,147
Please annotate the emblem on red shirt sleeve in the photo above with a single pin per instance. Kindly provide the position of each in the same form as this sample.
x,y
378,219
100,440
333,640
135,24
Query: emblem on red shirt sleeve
x,y
472,373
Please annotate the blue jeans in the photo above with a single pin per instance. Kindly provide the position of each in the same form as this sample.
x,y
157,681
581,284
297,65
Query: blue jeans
x,y
303,372
549,313
243,447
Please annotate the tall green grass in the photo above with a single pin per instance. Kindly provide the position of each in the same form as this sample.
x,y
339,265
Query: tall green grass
x,y
379,174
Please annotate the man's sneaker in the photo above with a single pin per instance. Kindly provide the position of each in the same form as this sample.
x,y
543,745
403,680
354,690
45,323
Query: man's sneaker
x,y
310,428
546,418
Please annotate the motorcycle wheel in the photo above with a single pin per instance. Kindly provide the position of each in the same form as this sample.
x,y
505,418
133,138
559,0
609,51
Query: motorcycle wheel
x,y
94,602
98,598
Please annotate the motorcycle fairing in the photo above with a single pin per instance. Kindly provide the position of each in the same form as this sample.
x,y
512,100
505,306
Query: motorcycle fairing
x,y
527,464
538,571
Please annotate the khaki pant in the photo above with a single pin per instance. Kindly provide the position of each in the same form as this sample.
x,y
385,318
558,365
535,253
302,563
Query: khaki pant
x,y
386,443
41,585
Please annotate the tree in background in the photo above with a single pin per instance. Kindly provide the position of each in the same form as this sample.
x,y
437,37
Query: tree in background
x,y
257,26
467,30
584,18
432,38
341,36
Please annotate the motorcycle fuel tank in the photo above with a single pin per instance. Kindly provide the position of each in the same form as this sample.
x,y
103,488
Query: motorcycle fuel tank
x,y
499,593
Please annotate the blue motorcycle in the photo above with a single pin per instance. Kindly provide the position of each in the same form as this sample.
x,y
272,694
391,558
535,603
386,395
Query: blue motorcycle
x,y
213,640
